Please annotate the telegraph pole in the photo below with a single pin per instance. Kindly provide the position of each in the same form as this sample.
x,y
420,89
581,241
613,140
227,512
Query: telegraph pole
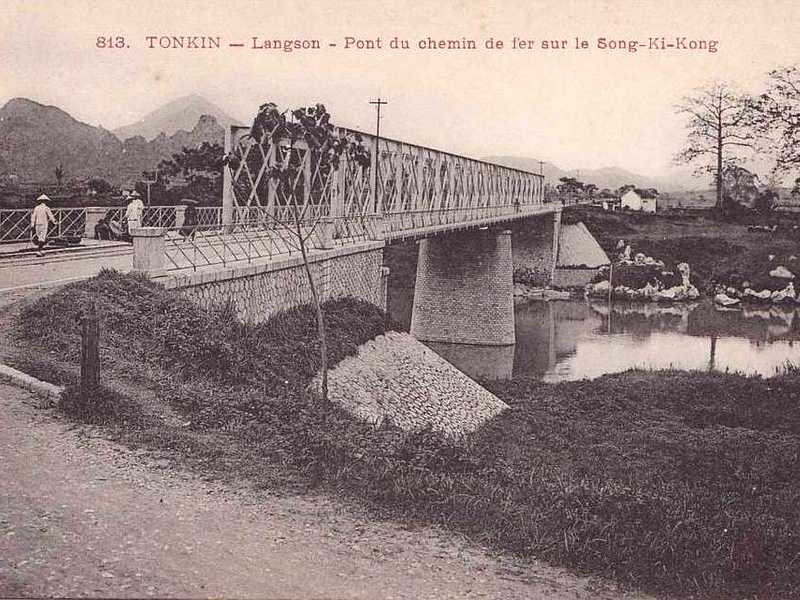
x,y
149,183
378,103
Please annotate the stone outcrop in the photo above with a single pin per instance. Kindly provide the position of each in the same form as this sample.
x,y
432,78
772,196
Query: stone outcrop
x,y
395,377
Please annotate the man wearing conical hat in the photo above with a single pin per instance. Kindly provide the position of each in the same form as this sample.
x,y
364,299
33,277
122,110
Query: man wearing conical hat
x,y
41,217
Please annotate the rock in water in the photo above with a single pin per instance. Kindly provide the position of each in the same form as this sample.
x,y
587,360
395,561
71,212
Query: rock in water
x,y
781,272
759,296
673,294
725,300
785,295
685,271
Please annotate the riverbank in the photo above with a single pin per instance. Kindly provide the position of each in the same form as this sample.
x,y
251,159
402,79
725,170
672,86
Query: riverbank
x,y
719,251
672,482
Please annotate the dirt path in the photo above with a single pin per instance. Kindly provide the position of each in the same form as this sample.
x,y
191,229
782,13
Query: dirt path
x,y
81,516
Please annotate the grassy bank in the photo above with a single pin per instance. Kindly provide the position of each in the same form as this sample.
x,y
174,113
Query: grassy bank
x,y
666,481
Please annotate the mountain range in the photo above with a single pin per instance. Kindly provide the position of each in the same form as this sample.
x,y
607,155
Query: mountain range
x,y
35,139
179,115
606,177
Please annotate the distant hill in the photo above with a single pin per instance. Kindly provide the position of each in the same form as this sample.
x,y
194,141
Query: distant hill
x,y
180,114
35,139
606,177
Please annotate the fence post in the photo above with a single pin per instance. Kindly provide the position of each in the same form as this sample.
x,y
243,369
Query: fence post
x,y
93,216
180,217
376,229
90,352
326,228
149,246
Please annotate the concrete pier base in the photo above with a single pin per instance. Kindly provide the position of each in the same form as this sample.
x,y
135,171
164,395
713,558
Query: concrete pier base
x,y
464,291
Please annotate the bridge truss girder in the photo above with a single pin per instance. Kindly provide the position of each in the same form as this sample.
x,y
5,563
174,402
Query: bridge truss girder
x,y
409,178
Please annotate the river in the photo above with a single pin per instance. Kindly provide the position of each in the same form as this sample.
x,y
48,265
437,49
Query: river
x,y
566,340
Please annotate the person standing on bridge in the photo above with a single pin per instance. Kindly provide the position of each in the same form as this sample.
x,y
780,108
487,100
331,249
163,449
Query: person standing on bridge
x,y
133,214
41,217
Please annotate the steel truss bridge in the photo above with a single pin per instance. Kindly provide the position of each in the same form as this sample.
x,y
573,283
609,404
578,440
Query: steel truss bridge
x,y
407,191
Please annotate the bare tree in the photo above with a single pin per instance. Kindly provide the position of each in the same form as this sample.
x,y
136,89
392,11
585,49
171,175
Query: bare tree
x,y
308,151
778,116
720,125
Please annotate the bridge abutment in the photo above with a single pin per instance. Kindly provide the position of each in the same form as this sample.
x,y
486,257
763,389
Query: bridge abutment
x,y
536,249
464,291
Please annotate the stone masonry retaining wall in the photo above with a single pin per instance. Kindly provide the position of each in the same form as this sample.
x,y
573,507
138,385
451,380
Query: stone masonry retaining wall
x,y
533,251
262,290
396,377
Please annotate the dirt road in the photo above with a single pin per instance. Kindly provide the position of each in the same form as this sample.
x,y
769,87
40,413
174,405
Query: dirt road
x,y
82,516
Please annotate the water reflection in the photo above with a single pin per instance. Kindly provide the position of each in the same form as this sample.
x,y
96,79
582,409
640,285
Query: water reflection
x,y
479,362
568,340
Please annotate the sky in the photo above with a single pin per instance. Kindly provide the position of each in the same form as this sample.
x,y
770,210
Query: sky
x,y
577,108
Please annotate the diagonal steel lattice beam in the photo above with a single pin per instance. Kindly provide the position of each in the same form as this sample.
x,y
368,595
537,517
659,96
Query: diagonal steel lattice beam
x,y
411,179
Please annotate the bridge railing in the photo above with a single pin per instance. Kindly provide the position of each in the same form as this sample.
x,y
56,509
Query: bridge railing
x,y
15,224
421,220
254,235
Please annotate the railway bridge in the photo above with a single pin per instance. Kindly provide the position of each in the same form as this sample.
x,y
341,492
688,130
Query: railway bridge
x,y
247,251
458,208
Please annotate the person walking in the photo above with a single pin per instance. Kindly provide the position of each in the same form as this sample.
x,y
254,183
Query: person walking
x,y
189,226
133,213
41,217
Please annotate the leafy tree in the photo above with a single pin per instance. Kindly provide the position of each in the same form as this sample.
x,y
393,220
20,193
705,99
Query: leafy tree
x,y
778,115
570,189
304,130
720,124
193,172
550,193
739,184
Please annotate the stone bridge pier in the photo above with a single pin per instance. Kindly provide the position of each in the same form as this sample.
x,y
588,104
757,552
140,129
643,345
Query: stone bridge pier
x,y
464,291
